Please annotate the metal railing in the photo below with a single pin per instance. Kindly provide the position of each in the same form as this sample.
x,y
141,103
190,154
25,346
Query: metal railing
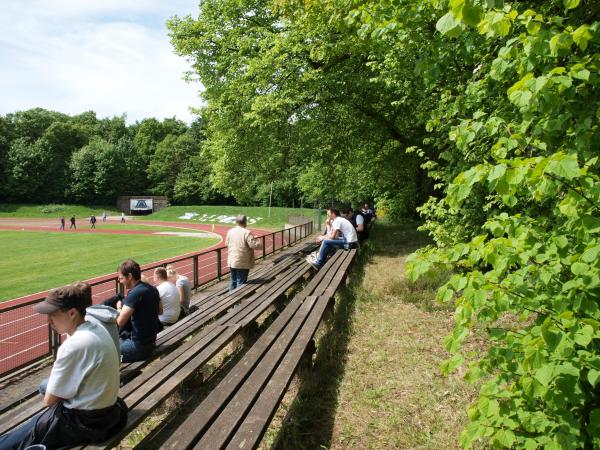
x,y
26,337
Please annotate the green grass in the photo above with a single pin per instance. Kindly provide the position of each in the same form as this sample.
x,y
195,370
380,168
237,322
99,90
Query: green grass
x,y
54,210
36,261
133,226
278,218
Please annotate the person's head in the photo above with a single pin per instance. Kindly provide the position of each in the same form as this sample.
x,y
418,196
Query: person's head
x,y
349,212
129,273
241,220
65,307
366,206
332,213
86,289
160,274
171,273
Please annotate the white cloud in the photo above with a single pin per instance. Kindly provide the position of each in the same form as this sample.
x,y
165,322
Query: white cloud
x,y
110,56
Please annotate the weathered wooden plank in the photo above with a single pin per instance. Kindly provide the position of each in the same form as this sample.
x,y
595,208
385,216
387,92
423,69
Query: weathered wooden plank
x,y
224,426
250,431
198,421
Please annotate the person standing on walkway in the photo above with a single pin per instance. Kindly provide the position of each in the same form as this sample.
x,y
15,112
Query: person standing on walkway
x,y
104,216
62,223
240,252
93,221
73,223
122,217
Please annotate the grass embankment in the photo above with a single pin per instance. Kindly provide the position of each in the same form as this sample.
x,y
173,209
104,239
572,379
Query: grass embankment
x,y
209,214
54,210
376,383
36,261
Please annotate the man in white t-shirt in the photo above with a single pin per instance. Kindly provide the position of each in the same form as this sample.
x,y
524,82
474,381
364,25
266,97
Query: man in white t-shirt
x,y
342,235
184,288
81,394
168,296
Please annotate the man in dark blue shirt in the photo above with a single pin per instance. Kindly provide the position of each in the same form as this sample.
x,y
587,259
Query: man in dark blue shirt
x,y
138,314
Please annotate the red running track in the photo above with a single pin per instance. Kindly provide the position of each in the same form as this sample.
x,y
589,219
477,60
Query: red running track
x,y
25,335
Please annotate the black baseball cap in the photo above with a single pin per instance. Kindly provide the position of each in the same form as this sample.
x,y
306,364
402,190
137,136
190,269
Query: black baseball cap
x,y
66,297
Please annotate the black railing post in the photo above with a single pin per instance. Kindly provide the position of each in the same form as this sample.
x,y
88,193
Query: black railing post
x,y
195,264
264,247
55,342
219,264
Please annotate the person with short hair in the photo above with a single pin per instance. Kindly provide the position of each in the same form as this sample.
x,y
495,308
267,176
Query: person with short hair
x,y
357,219
93,221
342,235
240,252
81,393
73,223
169,297
138,313
182,283
103,216
122,217
62,223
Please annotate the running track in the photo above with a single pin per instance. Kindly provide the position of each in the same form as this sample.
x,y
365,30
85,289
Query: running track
x,y
24,334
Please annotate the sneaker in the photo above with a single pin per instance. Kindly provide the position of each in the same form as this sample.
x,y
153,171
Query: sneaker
x,y
312,258
312,263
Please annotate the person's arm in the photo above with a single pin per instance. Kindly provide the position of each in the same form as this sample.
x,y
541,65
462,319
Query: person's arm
x,y
160,308
360,223
124,315
51,400
181,292
253,242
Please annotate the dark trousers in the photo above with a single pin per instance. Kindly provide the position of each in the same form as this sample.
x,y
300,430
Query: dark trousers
x,y
237,277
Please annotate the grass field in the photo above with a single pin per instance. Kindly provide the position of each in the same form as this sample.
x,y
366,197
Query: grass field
x,y
31,263
278,218
54,210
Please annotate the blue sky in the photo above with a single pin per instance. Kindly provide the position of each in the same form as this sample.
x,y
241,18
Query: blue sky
x,y
109,56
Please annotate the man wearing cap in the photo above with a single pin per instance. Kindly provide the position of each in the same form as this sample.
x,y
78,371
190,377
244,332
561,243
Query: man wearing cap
x,y
81,394
240,252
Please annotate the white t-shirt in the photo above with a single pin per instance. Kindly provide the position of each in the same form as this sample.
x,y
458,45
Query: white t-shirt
x,y
170,301
345,227
183,282
360,219
86,371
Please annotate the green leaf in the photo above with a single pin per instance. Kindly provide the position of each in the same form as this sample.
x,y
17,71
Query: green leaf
x,y
560,41
593,377
581,36
504,438
564,166
545,374
580,268
571,4
448,25
584,336
591,254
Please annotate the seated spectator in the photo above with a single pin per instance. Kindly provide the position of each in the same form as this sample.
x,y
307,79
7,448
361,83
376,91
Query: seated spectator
x,y
184,288
138,314
368,213
342,235
168,296
357,220
81,394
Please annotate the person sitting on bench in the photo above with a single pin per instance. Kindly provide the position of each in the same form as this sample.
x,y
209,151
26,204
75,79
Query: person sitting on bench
x,y
182,283
342,235
81,394
168,296
138,314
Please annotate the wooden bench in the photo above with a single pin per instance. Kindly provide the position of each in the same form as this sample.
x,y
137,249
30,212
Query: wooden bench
x,y
238,411
264,287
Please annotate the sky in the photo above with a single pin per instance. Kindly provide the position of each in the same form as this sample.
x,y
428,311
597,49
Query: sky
x,y
109,56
